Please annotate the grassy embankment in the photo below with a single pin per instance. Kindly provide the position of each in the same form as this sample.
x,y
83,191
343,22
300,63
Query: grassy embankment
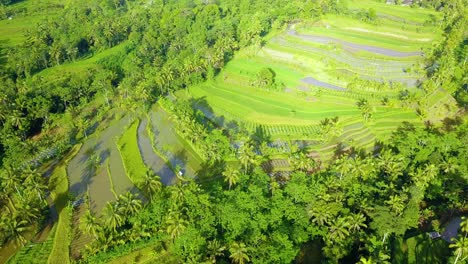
x,y
130,153
58,185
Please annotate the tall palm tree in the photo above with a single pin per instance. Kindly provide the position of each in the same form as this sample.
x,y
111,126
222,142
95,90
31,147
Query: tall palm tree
x,y
461,244
366,109
357,221
247,156
239,253
319,214
396,204
35,183
151,183
10,182
176,224
461,249
28,211
128,203
231,176
339,229
214,249
15,229
89,224
113,215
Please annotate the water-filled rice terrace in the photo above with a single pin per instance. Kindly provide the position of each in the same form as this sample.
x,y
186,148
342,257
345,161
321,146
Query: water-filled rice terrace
x,y
156,143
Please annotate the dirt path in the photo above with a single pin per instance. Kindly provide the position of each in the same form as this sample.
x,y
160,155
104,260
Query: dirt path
x,y
353,46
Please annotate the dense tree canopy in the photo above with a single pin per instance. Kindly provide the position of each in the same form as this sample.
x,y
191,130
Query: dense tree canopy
x,y
128,54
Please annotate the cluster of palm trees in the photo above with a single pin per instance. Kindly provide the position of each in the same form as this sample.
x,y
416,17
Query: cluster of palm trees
x,y
22,198
107,230
211,145
366,109
111,228
329,128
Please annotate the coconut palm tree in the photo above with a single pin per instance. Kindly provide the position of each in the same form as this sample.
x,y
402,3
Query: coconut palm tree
x,y
176,224
461,249
231,176
319,214
113,215
28,211
10,182
151,183
396,204
89,224
35,183
128,204
357,221
366,109
461,244
247,156
239,253
215,249
15,229
339,229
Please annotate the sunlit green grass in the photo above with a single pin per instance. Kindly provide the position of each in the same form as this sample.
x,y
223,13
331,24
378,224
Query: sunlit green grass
x,y
130,153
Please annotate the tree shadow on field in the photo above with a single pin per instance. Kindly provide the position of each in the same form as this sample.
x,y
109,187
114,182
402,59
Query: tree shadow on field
x,y
208,118
180,159
209,173
89,152
104,155
451,123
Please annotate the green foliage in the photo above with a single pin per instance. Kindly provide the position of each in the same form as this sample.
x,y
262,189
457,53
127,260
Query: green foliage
x,y
128,54
130,153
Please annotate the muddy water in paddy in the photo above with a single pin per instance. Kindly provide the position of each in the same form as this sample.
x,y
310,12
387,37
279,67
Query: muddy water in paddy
x,y
151,159
313,81
82,178
169,143
354,46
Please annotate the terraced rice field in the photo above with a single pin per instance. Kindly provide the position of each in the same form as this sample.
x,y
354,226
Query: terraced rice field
x,y
325,67
109,179
159,145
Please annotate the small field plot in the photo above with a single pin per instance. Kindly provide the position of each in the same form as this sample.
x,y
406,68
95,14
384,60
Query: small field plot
x,y
169,144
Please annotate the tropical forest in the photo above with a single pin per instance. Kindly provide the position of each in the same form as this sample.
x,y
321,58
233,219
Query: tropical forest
x,y
233,131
